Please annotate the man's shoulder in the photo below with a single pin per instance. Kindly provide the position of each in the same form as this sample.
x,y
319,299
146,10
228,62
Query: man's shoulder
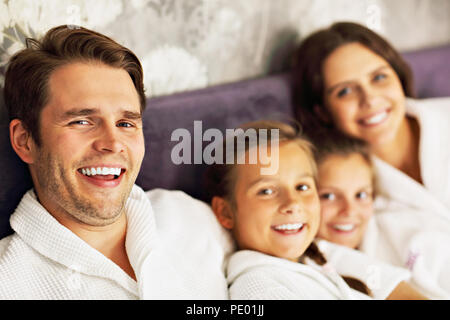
x,y
13,250
4,244
190,232
159,197
176,212
15,259
178,207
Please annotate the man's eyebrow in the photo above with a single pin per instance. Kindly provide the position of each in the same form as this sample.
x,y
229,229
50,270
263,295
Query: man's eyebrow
x,y
72,113
132,115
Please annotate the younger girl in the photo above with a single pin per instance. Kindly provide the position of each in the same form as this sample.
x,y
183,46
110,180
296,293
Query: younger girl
x,y
274,219
345,185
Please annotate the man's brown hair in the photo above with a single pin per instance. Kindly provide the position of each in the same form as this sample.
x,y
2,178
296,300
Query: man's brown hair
x,y
26,89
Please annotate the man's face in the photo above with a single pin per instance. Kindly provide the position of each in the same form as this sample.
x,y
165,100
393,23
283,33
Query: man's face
x,y
92,143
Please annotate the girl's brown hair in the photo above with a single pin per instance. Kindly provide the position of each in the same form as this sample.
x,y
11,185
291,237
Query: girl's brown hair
x,y
330,141
26,89
308,82
220,177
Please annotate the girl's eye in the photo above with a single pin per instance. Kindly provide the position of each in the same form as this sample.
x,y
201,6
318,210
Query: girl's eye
x,y
303,187
362,195
266,192
379,77
328,196
343,92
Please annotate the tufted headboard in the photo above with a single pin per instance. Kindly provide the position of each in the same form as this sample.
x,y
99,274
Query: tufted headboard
x,y
223,106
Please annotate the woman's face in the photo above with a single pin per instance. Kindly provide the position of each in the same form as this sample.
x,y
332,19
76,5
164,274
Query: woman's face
x,y
363,94
277,214
345,191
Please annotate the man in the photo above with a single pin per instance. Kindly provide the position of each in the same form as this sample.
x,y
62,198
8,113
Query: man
x,y
85,231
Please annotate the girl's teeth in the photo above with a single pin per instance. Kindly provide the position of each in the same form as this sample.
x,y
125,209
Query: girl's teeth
x,y
101,171
376,119
290,226
344,227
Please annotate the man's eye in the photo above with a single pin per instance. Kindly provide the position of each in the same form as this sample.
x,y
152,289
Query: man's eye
x,y
328,196
125,125
79,122
303,187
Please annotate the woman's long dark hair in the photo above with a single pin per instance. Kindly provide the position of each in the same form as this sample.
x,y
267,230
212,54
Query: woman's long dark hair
x,y
307,77
220,180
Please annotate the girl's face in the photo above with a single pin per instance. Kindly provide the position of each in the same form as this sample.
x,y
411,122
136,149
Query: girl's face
x,y
277,214
346,196
363,94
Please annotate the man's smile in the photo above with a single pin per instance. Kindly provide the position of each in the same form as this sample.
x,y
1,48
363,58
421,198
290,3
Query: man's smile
x,y
103,176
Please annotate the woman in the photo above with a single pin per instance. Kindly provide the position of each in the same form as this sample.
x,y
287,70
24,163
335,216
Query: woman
x,y
348,78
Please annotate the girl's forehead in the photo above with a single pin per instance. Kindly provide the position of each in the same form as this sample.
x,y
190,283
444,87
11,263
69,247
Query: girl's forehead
x,y
342,168
288,157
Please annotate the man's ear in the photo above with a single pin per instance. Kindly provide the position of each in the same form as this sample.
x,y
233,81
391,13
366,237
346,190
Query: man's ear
x,y
21,141
322,113
222,210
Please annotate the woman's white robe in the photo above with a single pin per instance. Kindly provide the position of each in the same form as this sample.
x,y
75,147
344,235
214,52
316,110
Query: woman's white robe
x,y
412,221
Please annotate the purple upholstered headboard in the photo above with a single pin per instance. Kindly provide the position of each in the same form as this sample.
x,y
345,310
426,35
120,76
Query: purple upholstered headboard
x,y
224,106
431,69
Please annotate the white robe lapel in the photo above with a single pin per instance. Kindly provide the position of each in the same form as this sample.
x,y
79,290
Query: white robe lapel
x,y
433,116
46,235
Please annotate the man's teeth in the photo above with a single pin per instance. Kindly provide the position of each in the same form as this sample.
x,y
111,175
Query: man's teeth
x,y
376,118
289,226
344,227
101,171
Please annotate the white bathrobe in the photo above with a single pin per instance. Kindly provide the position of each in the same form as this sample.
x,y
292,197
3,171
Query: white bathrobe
x,y
45,260
381,278
412,221
256,276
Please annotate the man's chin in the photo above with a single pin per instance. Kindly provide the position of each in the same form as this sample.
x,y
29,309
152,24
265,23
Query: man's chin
x,y
98,210
101,217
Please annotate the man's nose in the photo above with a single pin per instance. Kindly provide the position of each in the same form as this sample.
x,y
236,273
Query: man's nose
x,y
108,140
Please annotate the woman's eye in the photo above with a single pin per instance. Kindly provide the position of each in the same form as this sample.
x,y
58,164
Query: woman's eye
x,y
343,92
266,192
328,196
379,77
303,187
